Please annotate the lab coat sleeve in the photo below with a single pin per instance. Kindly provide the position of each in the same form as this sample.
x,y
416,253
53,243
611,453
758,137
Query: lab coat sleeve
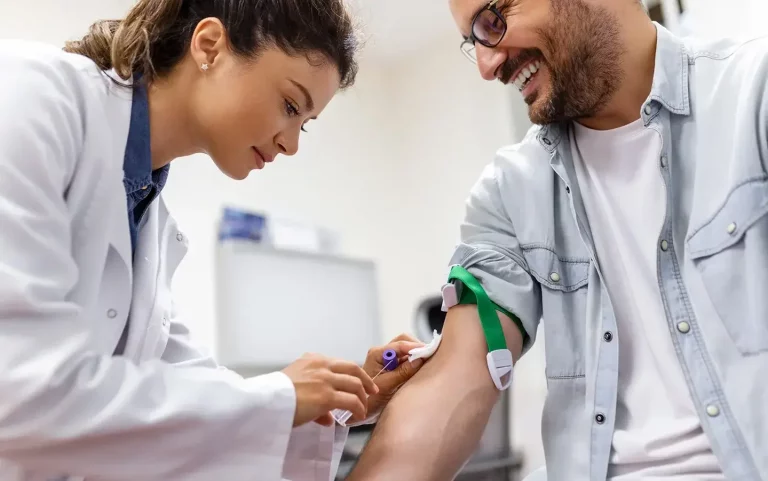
x,y
65,409
314,453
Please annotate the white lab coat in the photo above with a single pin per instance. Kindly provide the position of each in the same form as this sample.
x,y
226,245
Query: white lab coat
x,y
68,407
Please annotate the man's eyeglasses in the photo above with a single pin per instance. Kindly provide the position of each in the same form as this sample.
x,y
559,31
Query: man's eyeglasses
x,y
488,28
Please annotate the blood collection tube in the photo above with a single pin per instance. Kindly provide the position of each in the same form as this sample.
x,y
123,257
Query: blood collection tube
x,y
390,360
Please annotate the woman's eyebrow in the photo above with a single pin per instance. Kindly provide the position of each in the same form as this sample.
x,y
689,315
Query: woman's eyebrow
x,y
307,97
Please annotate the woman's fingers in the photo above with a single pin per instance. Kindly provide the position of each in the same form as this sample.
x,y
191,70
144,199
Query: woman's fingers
x,y
349,384
325,420
350,402
352,369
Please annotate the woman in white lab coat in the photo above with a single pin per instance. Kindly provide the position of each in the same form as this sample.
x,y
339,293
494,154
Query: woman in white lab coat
x,y
98,379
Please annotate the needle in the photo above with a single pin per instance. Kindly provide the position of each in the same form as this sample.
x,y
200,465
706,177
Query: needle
x,y
377,374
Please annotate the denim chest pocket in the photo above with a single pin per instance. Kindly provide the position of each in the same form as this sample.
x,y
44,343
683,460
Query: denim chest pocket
x,y
730,252
563,282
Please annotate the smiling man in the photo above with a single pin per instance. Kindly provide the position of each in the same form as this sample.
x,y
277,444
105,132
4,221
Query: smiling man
x,y
632,221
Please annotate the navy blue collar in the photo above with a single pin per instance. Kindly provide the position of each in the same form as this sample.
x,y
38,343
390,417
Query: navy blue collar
x,y
137,164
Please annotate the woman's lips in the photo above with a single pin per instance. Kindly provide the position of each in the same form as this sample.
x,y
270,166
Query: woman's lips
x,y
259,158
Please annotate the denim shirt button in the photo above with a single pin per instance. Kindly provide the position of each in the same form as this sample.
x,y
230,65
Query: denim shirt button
x,y
608,336
684,327
664,245
713,411
663,161
111,313
731,228
648,110
554,277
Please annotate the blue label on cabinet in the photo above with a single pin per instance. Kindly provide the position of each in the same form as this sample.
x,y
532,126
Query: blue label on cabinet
x,y
240,224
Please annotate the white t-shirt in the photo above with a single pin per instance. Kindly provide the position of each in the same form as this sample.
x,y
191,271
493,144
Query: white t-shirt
x,y
658,434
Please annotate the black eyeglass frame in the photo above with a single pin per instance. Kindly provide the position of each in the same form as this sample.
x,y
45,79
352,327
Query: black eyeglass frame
x,y
471,39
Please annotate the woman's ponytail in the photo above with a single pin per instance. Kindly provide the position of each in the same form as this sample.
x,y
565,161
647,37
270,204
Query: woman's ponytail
x,y
125,45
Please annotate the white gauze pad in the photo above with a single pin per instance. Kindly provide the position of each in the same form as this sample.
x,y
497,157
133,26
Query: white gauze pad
x,y
427,351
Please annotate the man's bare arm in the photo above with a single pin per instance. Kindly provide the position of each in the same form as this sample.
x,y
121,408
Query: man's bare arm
x,y
434,423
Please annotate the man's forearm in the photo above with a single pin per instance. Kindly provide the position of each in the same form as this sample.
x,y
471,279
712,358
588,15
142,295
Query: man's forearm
x,y
434,423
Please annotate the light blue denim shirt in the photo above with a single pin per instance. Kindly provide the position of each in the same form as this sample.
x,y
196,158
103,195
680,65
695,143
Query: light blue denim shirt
x,y
527,238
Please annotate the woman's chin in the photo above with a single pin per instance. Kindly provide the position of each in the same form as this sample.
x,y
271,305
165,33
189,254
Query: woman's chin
x,y
240,175
235,171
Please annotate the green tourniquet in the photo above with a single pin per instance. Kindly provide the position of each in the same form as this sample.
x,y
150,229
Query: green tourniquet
x,y
494,335
468,297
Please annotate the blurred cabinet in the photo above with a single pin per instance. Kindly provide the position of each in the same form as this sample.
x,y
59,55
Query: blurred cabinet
x,y
274,305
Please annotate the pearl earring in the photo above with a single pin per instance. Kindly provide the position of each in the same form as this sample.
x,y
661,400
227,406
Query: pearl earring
x,y
204,66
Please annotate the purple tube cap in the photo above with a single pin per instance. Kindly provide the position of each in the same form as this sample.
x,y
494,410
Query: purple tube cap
x,y
390,360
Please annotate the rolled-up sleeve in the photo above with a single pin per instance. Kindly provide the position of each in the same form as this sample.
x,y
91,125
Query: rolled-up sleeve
x,y
490,251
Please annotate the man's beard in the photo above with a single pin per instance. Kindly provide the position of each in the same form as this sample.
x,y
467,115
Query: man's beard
x,y
584,47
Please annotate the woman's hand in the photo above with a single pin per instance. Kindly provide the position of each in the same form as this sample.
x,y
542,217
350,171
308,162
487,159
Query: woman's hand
x,y
323,384
389,382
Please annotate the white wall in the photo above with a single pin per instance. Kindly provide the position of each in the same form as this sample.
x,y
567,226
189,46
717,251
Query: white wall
x,y
739,18
55,21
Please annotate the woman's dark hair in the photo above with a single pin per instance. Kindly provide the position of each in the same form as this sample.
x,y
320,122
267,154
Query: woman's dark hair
x,y
156,34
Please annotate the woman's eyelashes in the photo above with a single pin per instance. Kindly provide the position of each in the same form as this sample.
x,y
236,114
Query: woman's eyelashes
x,y
293,111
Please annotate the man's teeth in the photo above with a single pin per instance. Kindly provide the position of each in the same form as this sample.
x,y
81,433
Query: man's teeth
x,y
526,73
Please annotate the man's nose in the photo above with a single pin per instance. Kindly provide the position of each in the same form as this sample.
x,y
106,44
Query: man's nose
x,y
489,60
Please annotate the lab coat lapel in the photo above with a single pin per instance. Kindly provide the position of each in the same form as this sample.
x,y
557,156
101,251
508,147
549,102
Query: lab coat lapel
x,y
118,116
145,268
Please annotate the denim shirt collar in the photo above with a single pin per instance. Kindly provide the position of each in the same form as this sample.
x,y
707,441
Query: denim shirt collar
x,y
137,163
670,77
669,89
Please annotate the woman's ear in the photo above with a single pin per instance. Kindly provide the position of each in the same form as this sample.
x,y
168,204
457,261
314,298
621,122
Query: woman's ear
x,y
209,43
